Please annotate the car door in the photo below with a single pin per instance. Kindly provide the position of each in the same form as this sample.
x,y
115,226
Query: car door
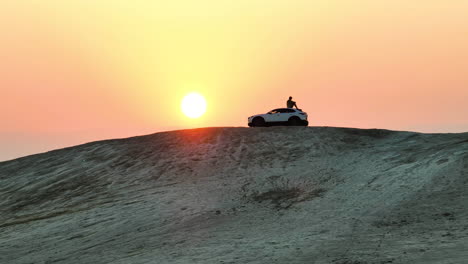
x,y
276,116
268,116
284,115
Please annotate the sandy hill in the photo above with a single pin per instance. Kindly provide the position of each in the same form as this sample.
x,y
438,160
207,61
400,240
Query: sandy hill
x,y
241,195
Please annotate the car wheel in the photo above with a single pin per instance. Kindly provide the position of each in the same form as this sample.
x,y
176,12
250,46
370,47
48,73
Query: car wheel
x,y
294,121
258,122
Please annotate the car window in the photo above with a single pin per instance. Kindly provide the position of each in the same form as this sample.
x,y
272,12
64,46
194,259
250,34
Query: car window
x,y
286,110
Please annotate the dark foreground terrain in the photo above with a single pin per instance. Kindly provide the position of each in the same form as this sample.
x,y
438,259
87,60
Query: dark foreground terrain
x,y
241,195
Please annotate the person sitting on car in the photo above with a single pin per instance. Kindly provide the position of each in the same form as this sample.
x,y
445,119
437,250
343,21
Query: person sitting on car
x,y
291,104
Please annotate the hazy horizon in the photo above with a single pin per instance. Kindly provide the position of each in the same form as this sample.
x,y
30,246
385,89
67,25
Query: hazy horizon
x,y
53,142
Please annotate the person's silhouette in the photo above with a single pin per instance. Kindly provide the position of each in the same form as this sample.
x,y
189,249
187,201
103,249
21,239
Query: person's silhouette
x,y
291,104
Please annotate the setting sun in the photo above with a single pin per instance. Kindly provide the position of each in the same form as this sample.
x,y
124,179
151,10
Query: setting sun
x,y
193,105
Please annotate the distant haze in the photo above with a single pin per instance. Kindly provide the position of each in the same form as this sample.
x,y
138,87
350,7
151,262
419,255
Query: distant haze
x,y
76,71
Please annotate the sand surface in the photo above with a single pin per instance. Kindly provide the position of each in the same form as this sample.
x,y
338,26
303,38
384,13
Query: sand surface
x,y
241,195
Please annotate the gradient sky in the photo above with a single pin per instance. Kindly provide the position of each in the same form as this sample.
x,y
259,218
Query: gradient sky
x,y
73,71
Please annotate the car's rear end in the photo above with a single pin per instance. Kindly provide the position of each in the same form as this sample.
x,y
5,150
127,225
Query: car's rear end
x,y
303,116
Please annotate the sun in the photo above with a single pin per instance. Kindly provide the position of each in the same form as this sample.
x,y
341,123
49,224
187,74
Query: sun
x,y
193,105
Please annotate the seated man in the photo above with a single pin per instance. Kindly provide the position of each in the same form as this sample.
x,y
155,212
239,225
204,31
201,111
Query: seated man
x,y
290,103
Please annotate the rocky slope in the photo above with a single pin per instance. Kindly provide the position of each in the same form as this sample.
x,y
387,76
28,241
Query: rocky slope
x,y
241,195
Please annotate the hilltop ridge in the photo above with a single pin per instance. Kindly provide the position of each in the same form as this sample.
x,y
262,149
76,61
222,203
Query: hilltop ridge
x,y
241,195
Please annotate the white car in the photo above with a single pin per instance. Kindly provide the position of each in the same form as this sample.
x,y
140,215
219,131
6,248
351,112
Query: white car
x,y
279,116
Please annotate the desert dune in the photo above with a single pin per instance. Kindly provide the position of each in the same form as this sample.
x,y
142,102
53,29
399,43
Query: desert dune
x,y
241,195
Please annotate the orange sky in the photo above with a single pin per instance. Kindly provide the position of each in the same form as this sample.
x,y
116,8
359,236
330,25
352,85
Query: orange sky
x,y
81,70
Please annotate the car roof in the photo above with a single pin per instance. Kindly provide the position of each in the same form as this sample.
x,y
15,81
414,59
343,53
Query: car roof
x,y
284,109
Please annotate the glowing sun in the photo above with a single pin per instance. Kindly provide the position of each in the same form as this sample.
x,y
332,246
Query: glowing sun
x,y
193,105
